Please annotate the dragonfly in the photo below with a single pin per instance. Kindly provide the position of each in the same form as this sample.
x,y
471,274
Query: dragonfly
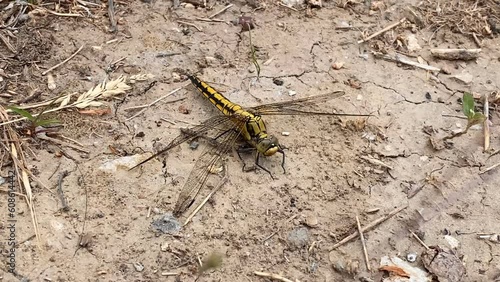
x,y
236,123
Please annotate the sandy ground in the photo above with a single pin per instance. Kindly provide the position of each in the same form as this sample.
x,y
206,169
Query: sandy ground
x,y
285,226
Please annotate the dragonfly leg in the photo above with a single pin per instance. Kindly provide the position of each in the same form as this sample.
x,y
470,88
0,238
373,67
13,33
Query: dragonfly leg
x,y
261,167
283,161
244,149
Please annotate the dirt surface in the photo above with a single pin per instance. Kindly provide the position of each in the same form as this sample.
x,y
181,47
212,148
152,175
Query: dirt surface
x,y
285,226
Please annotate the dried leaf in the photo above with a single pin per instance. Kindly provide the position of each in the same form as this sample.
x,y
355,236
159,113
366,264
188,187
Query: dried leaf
x,y
96,112
394,269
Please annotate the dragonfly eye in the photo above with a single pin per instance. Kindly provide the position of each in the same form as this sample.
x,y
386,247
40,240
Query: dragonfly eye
x,y
268,146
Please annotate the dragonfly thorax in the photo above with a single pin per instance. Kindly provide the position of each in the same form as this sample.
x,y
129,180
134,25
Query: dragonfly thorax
x,y
268,145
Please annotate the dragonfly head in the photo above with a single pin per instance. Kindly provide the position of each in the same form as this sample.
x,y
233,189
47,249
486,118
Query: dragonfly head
x,y
268,146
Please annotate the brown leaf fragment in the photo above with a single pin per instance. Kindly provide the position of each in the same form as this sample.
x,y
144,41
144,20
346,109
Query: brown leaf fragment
x,y
394,270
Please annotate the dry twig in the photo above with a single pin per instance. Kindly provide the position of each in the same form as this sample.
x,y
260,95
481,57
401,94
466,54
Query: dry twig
x,y
369,227
147,106
387,28
419,240
63,62
399,58
273,276
490,168
363,243
456,54
221,11
198,208
486,123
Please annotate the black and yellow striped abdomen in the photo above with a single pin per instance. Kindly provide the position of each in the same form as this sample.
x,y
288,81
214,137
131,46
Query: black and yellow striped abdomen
x,y
227,107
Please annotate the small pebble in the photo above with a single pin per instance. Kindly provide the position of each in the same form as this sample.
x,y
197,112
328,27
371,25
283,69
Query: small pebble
x,y
411,257
424,158
311,221
359,97
138,266
164,246
189,5
292,93
285,133
194,145
278,81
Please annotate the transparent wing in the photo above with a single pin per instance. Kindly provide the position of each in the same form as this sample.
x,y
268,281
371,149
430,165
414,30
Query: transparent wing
x,y
209,124
296,107
208,162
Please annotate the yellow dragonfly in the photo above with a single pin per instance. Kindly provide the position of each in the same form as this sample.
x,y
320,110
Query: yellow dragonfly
x,y
236,123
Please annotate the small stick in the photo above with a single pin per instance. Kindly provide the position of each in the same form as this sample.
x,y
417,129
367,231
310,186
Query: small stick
x,y
169,274
369,227
44,136
454,116
486,123
286,6
404,60
376,162
456,54
210,20
63,14
490,168
363,243
63,62
273,276
478,43
198,208
60,192
190,24
383,30
420,240
147,106
221,11
111,13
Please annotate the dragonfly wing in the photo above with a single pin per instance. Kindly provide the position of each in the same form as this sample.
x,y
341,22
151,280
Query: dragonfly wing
x,y
296,107
209,124
207,163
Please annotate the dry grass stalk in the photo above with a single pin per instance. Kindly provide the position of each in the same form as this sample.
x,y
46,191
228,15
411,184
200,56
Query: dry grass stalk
x,y
19,163
89,99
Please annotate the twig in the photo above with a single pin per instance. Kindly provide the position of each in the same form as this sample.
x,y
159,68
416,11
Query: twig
x,y
376,162
63,62
273,276
490,168
363,243
44,136
147,106
198,208
369,227
404,60
64,14
419,240
478,43
210,20
169,274
486,123
60,192
221,11
456,54
111,13
454,116
286,6
383,30
190,24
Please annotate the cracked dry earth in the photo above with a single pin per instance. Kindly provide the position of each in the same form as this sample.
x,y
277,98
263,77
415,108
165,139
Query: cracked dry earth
x,y
249,221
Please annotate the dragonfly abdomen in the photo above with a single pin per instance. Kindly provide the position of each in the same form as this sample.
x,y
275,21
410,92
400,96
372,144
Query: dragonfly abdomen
x,y
227,107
